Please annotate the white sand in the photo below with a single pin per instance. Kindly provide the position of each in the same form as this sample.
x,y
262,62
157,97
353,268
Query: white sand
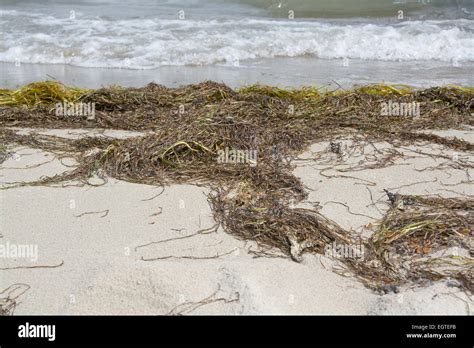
x,y
103,270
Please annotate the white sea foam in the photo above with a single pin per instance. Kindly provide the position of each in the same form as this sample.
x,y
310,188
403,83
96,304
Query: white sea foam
x,y
152,42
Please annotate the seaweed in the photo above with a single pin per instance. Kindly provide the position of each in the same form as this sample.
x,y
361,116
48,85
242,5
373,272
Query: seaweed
x,y
187,129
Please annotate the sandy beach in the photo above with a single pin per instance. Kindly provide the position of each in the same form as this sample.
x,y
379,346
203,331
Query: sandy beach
x,y
100,235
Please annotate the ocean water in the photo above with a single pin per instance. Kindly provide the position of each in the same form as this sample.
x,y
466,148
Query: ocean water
x,y
152,34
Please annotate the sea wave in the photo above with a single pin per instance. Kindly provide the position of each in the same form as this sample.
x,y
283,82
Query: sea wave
x,y
363,8
153,42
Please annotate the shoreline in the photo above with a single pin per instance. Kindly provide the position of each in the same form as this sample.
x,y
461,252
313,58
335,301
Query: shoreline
x,y
293,72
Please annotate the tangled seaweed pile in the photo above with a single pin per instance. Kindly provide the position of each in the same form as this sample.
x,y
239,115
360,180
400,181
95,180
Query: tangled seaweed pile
x,y
185,130
413,240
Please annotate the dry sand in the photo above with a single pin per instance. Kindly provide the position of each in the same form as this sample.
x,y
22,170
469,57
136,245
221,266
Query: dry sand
x,y
102,233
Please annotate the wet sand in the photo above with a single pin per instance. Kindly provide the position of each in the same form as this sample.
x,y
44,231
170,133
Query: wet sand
x,y
281,72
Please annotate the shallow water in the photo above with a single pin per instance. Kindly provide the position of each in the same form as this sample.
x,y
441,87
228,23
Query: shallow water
x,y
282,72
